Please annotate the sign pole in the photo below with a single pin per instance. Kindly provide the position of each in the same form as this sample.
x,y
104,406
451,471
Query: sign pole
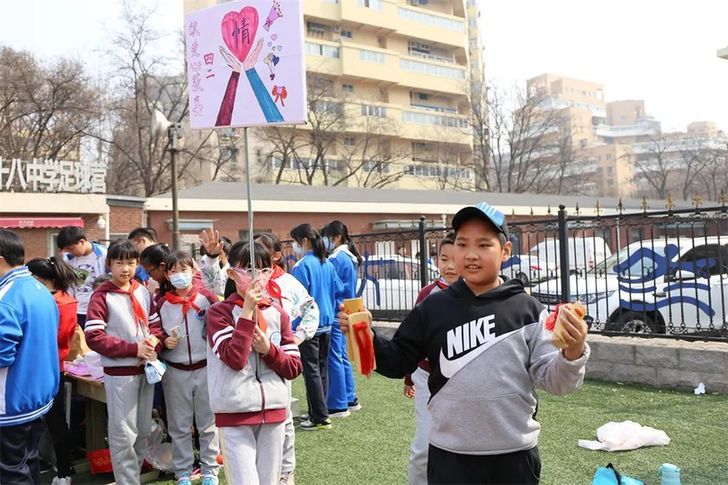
x,y
251,235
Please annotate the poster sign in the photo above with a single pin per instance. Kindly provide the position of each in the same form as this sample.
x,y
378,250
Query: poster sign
x,y
45,175
246,64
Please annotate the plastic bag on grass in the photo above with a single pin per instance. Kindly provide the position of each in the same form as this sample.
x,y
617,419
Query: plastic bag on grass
x,y
160,453
626,435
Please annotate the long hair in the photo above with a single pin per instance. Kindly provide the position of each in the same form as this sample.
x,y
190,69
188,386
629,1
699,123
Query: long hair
x,y
273,244
54,270
338,228
156,254
240,258
306,231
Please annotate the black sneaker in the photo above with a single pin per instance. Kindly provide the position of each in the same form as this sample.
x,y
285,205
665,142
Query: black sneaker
x,y
311,426
354,405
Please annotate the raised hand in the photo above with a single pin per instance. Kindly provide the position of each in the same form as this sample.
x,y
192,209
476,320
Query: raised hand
x,y
210,240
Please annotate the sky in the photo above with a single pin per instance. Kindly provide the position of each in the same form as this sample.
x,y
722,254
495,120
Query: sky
x,y
661,51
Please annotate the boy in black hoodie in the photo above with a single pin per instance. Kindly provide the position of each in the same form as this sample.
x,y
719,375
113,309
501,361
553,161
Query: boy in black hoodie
x,y
489,350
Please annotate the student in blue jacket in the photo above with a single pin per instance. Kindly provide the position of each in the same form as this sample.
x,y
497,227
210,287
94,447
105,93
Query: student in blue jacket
x,y
29,368
346,260
318,276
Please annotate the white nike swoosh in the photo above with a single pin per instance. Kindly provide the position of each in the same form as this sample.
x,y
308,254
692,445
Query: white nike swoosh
x,y
449,368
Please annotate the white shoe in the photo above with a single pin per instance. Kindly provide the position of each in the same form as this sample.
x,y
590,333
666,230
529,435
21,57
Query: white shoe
x,y
61,481
344,413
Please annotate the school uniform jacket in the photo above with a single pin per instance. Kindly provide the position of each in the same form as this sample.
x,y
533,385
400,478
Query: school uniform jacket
x,y
191,350
437,285
246,388
114,330
297,303
488,354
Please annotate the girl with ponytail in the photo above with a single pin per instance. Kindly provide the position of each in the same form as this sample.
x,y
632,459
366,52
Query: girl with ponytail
x,y
318,277
58,277
346,260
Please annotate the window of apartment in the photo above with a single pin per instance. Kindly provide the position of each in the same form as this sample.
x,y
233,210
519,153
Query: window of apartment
x,y
473,22
347,88
371,56
610,183
346,33
376,111
431,20
376,166
322,50
418,47
433,119
316,30
349,141
432,69
609,156
373,4
610,170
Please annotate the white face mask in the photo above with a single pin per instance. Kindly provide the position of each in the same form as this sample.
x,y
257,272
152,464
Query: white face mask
x,y
328,243
181,280
297,249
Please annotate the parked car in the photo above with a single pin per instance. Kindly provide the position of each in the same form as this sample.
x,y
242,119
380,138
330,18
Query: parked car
x,y
527,268
584,252
652,284
392,282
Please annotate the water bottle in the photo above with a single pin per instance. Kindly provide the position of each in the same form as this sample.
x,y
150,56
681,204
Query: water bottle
x,y
669,474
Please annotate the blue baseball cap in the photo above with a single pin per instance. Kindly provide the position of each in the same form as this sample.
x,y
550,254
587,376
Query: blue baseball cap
x,y
484,211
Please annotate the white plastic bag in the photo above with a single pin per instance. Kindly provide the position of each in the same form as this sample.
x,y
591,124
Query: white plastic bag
x,y
160,453
626,435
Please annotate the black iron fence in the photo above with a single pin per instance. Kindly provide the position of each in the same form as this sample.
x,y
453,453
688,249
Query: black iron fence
x,y
651,273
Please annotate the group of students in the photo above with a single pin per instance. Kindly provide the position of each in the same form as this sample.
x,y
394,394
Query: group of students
x,y
474,348
231,342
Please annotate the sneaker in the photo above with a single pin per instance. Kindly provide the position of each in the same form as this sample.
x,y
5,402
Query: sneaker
x,y
310,426
209,478
184,479
355,405
61,481
339,413
304,417
287,479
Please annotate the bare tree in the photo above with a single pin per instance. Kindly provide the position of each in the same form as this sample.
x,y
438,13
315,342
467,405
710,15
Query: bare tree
x,y
45,109
655,163
480,125
713,179
143,80
523,141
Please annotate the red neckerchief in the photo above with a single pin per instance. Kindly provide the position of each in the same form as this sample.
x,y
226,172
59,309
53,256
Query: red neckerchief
x,y
274,290
142,319
262,305
441,283
187,302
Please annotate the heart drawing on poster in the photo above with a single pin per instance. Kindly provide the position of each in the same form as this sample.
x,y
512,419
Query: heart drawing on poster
x,y
238,31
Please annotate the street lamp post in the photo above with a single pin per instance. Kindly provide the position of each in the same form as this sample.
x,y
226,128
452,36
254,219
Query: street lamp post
x,y
174,133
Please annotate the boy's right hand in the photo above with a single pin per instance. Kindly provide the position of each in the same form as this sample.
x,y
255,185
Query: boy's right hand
x,y
252,298
409,391
145,351
171,342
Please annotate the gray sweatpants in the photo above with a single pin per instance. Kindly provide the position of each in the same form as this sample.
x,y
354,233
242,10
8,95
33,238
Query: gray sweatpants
x,y
129,405
252,454
289,439
186,397
423,419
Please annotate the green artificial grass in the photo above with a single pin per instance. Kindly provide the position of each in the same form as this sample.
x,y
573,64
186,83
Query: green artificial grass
x,y
372,446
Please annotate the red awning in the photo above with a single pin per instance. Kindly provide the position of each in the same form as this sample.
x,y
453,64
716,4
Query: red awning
x,y
38,222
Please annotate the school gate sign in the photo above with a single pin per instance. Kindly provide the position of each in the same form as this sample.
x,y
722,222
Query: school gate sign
x,y
43,175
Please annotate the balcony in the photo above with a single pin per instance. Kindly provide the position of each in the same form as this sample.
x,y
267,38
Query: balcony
x,y
423,74
323,57
426,24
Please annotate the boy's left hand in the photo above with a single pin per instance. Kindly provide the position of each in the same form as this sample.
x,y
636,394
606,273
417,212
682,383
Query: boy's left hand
x,y
261,344
574,334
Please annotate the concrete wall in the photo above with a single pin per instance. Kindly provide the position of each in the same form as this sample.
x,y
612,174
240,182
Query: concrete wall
x,y
663,363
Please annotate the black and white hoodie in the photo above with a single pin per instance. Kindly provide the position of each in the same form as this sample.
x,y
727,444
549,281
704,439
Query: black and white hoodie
x,y
488,353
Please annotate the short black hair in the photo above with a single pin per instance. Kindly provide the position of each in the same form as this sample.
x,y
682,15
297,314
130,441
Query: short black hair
x,y
69,235
122,249
448,239
11,248
147,232
155,254
183,258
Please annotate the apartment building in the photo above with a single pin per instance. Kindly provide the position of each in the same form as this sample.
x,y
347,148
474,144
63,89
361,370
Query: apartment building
x,y
389,79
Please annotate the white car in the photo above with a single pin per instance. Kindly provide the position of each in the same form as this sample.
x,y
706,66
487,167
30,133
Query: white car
x,y
655,285
391,282
527,268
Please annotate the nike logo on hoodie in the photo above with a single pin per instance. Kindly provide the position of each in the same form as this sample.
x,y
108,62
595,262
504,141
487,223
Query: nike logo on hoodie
x,y
467,342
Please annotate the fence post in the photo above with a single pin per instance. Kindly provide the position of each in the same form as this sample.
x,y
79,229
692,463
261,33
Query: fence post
x,y
564,254
424,270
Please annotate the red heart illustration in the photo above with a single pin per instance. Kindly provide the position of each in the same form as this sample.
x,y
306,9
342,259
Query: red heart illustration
x,y
238,31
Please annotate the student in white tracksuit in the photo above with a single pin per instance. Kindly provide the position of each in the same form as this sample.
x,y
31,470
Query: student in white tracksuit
x,y
183,314
251,353
122,319
304,315
416,383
